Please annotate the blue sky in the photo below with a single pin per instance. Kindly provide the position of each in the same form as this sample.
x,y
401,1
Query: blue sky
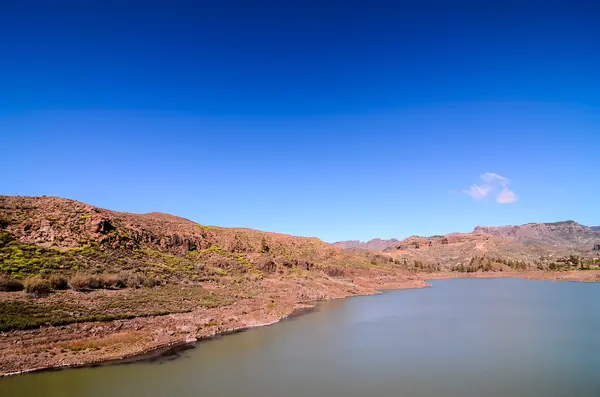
x,y
341,120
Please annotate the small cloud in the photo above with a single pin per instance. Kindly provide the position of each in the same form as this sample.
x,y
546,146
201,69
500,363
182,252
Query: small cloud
x,y
494,179
506,196
478,192
492,184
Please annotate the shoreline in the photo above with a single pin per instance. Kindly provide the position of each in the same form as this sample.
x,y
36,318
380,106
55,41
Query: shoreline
x,y
157,353
153,350
173,348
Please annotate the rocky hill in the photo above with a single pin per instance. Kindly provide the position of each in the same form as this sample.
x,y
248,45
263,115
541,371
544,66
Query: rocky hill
x,y
530,246
82,284
566,234
375,244
61,235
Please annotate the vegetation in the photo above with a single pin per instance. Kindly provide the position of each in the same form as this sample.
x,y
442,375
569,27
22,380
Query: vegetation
x,y
58,282
25,259
29,314
571,262
37,286
9,284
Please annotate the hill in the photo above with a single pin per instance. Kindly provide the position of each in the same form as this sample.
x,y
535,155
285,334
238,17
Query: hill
x,y
375,244
68,236
543,246
102,285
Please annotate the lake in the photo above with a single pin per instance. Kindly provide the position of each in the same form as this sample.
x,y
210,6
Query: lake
x,y
462,337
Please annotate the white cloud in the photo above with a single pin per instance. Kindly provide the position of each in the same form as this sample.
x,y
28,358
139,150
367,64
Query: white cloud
x,y
506,196
493,184
478,192
495,179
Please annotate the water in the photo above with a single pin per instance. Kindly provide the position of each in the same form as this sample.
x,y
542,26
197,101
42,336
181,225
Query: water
x,y
464,337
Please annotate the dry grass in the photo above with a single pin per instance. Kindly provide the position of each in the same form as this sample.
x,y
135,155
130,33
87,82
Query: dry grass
x,y
37,286
69,307
58,282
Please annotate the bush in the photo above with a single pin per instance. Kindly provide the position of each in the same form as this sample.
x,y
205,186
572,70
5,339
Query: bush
x,y
334,271
37,286
134,280
58,282
84,282
110,281
8,284
151,282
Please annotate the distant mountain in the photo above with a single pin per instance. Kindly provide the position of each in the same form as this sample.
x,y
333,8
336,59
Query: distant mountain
x,y
529,243
566,234
375,244
596,228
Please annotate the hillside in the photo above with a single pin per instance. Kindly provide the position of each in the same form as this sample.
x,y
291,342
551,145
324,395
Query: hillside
x,y
566,234
375,244
103,285
68,236
543,246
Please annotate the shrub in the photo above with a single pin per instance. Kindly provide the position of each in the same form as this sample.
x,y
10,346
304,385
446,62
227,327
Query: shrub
x,y
110,281
84,282
151,282
37,286
334,271
58,282
8,284
134,280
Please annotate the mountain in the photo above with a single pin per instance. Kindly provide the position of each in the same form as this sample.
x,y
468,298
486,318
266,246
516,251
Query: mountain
x,y
375,244
566,234
533,245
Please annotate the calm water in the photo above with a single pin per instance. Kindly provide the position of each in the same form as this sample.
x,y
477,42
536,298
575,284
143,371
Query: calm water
x,y
494,337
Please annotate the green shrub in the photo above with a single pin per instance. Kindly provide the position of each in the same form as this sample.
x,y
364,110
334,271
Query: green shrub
x,y
37,286
58,282
8,284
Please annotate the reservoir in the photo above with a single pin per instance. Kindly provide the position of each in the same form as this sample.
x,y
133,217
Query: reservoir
x,y
462,337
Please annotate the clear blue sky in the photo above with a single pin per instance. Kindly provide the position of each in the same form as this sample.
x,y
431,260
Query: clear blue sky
x,y
341,120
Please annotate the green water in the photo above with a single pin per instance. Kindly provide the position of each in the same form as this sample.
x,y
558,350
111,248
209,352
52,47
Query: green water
x,y
465,337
